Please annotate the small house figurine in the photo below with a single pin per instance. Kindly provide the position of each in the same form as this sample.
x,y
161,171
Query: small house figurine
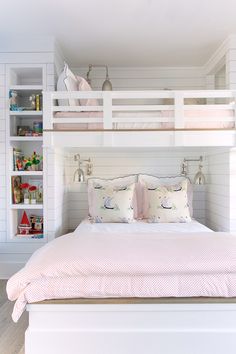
x,y
24,227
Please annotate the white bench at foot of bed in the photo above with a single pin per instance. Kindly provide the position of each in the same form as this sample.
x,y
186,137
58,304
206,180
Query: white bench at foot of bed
x,y
131,328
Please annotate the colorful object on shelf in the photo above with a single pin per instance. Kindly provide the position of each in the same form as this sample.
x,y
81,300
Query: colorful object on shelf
x,y
38,128
34,162
24,130
32,100
36,223
16,190
13,101
32,192
32,228
31,163
25,226
25,187
18,157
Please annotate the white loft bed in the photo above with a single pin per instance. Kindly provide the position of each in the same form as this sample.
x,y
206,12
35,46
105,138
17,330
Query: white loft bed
x,y
152,123
126,326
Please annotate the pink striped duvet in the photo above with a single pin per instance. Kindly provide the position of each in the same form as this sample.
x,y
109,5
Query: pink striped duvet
x,y
127,265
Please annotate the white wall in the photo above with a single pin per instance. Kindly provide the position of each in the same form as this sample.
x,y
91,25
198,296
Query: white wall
x,y
153,78
113,163
55,193
218,191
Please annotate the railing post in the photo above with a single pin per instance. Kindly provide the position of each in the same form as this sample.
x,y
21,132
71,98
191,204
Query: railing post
x,y
179,118
107,110
179,110
47,110
234,95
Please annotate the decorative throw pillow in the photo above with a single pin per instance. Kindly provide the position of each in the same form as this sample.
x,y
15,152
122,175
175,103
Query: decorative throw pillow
x,y
83,85
112,204
119,182
168,204
152,182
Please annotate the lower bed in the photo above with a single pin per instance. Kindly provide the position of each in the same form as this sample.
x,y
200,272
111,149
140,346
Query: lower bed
x,y
129,260
130,289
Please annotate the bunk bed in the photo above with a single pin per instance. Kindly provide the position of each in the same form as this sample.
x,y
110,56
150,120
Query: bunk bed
x,y
131,325
155,118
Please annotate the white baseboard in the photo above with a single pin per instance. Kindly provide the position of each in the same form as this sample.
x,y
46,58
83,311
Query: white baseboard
x,y
7,269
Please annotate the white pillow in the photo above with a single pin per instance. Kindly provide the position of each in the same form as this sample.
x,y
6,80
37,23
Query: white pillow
x,y
119,182
168,204
112,204
153,181
67,81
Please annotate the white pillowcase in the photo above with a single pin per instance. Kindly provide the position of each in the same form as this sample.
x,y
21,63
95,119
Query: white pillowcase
x,y
67,81
112,204
120,183
168,204
152,182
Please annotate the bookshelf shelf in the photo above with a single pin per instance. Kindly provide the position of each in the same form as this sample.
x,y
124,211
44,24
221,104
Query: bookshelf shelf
x,y
27,173
19,239
25,113
27,206
26,87
26,138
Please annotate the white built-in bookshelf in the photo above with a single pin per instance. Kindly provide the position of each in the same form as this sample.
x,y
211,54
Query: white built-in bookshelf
x,y
25,153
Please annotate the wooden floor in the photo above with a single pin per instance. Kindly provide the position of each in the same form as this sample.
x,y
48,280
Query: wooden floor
x,y
11,334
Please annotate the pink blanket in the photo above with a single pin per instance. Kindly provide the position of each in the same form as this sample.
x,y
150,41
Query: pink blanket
x,y
127,265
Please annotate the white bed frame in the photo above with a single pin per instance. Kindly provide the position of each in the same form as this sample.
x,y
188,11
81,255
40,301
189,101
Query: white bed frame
x,y
133,102
141,327
137,328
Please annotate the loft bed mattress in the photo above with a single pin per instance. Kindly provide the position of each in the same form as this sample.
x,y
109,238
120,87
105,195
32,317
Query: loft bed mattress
x,y
216,114
96,262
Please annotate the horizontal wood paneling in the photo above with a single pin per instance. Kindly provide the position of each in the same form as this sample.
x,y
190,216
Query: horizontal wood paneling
x,y
141,78
112,164
218,192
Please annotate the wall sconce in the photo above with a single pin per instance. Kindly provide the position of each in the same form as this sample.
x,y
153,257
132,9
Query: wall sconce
x,y
199,178
79,175
106,86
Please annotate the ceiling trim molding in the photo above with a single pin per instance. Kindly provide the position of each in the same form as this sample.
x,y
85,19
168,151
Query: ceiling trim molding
x,y
217,60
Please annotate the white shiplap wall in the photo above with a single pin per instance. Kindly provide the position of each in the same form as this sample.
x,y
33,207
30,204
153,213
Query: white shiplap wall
x,y
112,163
218,191
152,78
56,190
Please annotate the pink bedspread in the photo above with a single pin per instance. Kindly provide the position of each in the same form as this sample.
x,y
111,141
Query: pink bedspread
x,y
127,265
218,120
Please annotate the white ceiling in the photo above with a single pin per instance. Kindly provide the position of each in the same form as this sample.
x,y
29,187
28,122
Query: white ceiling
x,y
125,32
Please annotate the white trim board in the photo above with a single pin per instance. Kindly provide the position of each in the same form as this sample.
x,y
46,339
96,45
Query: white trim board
x,y
131,328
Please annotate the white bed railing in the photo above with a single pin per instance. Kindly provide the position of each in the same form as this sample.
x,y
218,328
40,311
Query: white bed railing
x,y
122,107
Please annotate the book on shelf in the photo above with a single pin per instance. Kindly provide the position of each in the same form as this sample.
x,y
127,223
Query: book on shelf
x,y
18,158
17,196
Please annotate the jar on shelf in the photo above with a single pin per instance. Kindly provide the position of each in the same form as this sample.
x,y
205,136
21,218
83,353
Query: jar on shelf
x,y
26,196
33,197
